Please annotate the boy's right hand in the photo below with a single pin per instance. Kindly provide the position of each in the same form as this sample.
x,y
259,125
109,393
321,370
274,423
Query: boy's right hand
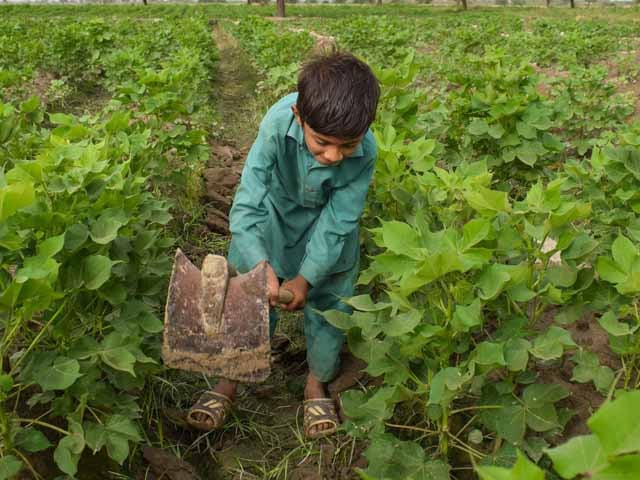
x,y
273,285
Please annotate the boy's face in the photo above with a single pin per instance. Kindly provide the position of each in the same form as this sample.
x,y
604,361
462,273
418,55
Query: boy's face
x,y
327,150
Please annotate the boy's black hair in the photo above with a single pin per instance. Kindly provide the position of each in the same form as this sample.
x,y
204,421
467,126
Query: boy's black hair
x,y
337,95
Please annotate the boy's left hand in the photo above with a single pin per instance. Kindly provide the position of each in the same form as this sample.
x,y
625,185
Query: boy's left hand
x,y
300,288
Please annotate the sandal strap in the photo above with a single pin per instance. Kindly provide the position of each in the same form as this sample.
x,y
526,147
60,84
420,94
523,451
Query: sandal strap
x,y
319,411
212,404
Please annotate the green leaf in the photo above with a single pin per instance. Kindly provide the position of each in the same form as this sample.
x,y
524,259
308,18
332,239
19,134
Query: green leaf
x,y
32,440
587,364
542,419
529,152
551,142
581,455
105,229
373,352
610,271
75,236
516,354
37,268
492,281
631,284
620,468
390,458
338,319
624,252
369,410
484,199
365,304
521,293
95,436
537,395
488,353
474,232
523,469
465,317
512,423
15,197
562,276
150,323
550,345
115,434
609,321
124,426
478,127
603,379
617,424
116,294
402,323
119,121
399,237
496,131
6,383
569,314
60,375
446,383
581,246
30,105
96,270
10,466
526,130
67,453
50,246
115,352
61,119
65,459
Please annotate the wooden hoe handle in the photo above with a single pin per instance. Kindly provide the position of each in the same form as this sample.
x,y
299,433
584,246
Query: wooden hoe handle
x,y
285,296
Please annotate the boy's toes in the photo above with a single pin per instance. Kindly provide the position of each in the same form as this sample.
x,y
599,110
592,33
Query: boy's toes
x,y
204,419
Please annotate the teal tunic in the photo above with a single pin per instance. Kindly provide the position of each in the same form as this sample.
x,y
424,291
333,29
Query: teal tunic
x,y
303,218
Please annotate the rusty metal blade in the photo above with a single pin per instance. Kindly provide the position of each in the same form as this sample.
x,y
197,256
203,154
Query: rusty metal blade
x,y
238,348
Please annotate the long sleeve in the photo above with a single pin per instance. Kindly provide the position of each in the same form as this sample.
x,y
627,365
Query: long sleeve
x,y
339,219
249,212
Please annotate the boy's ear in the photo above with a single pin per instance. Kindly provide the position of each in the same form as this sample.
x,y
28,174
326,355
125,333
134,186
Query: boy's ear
x,y
294,109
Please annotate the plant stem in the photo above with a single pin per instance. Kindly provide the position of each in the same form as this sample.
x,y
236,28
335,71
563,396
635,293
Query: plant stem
x,y
444,433
475,407
4,427
26,461
41,333
409,427
32,421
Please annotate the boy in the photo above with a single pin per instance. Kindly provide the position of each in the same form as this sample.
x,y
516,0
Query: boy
x,y
297,208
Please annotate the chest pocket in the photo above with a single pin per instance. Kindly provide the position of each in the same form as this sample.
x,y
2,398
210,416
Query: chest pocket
x,y
314,196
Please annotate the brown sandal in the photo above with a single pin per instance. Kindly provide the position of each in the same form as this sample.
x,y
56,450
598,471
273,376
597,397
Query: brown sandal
x,y
214,405
318,411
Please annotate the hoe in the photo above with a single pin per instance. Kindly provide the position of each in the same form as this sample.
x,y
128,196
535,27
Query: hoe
x,y
217,322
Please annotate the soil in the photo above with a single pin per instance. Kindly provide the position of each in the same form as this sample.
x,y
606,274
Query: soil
x,y
631,87
235,100
263,433
584,399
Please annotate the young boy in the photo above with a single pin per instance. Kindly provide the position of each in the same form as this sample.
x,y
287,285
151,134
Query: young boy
x,y
297,208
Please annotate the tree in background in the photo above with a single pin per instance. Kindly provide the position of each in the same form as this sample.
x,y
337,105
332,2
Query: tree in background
x,y
280,12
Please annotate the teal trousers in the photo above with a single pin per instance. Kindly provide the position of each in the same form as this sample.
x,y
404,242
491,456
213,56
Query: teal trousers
x,y
324,341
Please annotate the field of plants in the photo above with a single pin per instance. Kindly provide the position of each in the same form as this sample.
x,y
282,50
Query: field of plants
x,y
498,314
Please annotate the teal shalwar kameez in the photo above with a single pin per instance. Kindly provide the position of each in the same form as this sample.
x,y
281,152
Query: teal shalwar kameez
x,y
302,217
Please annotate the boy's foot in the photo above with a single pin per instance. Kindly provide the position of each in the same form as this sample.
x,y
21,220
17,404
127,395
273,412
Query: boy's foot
x,y
320,418
211,409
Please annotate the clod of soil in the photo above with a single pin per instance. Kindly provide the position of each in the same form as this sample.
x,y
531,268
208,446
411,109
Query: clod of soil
x,y
168,467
